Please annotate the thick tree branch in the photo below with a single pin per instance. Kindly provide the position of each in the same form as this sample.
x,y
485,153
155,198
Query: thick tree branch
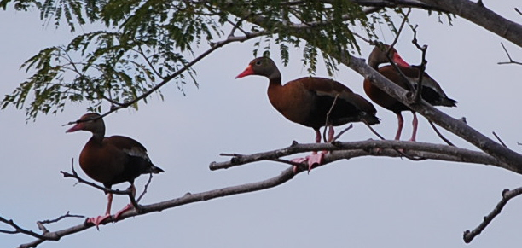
x,y
481,16
397,4
348,150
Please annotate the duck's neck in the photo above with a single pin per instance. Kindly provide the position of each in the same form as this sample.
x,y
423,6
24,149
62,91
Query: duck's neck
x,y
98,136
275,89
275,86
275,81
275,76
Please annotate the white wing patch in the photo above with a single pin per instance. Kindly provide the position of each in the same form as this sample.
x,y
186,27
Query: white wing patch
x,y
426,82
136,152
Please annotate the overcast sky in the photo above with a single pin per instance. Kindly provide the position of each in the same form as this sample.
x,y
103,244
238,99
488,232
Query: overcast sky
x,y
364,202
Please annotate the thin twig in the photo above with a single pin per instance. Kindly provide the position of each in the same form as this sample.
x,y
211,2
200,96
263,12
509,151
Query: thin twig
x,y
390,48
500,140
128,191
235,26
440,134
41,223
506,196
145,188
326,124
401,27
422,66
74,174
342,132
511,61
518,11
18,229
375,132
230,154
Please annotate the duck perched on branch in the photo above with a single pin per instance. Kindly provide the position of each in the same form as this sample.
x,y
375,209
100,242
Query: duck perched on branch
x,y
431,91
313,102
111,160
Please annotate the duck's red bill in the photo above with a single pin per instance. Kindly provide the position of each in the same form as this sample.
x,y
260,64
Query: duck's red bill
x,y
74,128
248,71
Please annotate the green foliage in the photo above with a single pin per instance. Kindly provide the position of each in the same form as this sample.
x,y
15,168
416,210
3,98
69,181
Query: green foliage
x,y
144,44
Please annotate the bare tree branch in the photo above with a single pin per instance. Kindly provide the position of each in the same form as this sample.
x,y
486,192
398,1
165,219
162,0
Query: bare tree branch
x,y
348,150
481,16
341,151
506,196
17,229
74,174
188,198
395,4
41,223
127,192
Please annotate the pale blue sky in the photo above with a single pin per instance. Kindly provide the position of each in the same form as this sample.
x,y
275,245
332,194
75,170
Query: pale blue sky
x,y
364,202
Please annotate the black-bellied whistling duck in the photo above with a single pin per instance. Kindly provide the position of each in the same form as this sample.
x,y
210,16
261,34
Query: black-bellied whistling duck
x,y
307,101
431,90
111,160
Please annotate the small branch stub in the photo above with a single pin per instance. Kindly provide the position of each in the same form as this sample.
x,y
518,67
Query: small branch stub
x,y
507,195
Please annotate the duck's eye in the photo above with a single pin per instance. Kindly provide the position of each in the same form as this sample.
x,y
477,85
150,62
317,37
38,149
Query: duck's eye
x,y
258,62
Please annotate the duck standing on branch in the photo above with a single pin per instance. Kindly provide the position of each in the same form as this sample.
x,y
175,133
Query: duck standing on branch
x,y
312,102
111,160
431,91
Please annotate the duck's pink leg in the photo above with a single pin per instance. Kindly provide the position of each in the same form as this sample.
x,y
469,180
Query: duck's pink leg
x,y
313,158
97,220
415,124
400,123
129,206
317,158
